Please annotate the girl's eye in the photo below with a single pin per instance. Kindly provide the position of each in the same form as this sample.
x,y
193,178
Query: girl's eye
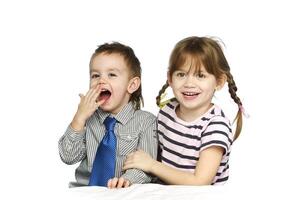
x,y
94,76
180,74
200,75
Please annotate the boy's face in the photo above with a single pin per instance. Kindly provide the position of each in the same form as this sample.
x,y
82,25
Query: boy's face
x,y
113,75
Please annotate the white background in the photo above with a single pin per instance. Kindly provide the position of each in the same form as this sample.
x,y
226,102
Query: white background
x,y
45,47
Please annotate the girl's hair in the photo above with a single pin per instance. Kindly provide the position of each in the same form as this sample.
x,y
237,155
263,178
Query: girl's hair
x,y
207,52
132,62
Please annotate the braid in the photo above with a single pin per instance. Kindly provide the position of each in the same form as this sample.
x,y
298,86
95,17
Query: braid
x,y
236,99
233,89
158,98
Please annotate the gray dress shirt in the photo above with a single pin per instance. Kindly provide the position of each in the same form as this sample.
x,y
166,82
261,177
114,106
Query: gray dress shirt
x,y
135,129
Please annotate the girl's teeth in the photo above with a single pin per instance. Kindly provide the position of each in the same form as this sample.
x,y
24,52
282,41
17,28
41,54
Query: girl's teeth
x,y
189,93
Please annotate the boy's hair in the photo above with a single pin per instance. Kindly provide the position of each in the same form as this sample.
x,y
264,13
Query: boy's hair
x,y
206,52
131,61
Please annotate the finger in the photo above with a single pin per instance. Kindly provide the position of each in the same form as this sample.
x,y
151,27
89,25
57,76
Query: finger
x,y
92,90
93,83
95,93
127,166
91,94
120,182
86,99
81,96
109,184
114,182
99,103
127,162
130,155
126,183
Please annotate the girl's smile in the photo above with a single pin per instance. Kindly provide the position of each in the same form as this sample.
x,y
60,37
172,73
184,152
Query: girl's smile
x,y
193,89
190,95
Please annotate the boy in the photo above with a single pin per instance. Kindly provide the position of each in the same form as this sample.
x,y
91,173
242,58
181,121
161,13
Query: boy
x,y
115,92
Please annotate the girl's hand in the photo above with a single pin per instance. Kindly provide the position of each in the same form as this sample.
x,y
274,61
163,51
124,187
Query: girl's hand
x,y
87,106
140,160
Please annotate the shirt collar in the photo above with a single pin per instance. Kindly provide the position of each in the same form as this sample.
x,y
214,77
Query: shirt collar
x,y
123,116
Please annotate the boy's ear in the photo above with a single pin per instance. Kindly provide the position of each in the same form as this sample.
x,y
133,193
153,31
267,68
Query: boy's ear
x,y
221,82
134,84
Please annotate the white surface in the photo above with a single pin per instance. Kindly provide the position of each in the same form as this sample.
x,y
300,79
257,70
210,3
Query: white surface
x,y
172,192
45,47
148,192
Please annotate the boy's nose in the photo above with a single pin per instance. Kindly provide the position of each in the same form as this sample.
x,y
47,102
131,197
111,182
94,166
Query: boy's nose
x,y
101,80
98,81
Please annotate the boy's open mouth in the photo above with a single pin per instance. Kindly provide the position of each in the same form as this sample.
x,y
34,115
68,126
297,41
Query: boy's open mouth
x,y
104,95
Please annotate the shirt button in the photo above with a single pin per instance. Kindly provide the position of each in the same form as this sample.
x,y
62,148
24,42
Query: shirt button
x,y
129,137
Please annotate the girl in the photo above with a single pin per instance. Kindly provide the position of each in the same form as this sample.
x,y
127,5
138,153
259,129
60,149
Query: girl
x,y
195,136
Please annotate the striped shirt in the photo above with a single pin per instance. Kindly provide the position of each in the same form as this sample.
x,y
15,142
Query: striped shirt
x,y
181,142
135,129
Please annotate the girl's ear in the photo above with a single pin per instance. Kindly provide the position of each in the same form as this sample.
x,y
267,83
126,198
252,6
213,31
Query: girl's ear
x,y
134,84
221,82
168,78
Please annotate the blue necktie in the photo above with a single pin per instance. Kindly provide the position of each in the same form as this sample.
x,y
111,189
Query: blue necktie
x,y
104,162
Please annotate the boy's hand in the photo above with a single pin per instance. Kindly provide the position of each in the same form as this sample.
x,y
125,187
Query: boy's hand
x,y
87,106
118,183
140,160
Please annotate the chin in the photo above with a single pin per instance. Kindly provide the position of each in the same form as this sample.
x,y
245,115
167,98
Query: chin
x,y
106,108
110,109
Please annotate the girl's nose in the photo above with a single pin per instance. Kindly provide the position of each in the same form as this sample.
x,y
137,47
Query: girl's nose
x,y
189,82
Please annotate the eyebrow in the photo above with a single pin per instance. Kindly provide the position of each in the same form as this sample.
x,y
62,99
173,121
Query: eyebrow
x,y
195,71
110,70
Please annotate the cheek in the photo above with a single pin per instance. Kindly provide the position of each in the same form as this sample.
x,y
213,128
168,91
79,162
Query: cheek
x,y
211,89
93,83
119,88
176,84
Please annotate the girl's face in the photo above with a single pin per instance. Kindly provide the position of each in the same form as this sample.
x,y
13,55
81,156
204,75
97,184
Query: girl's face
x,y
193,89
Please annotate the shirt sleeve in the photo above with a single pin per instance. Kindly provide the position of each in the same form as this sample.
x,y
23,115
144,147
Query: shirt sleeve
x,y
217,133
72,146
148,142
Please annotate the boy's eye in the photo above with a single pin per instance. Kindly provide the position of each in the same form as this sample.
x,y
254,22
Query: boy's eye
x,y
94,76
112,75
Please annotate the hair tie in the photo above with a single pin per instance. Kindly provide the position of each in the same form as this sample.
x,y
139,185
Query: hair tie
x,y
163,103
242,109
